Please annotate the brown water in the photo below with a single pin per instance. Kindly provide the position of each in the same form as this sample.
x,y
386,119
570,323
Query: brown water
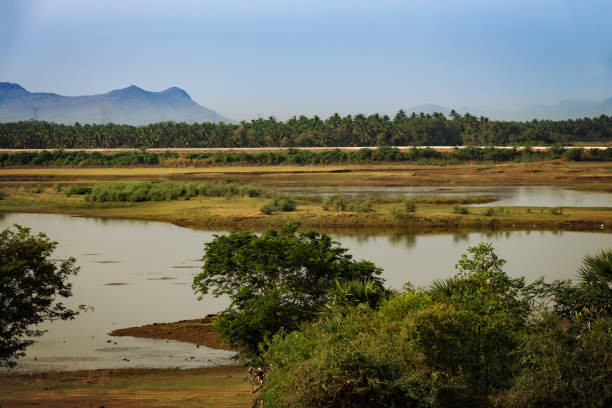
x,y
135,272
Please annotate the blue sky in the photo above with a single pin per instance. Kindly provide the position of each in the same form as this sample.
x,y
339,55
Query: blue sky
x,y
285,58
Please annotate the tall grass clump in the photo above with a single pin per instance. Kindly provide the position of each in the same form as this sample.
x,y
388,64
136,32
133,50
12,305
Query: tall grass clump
x,y
167,191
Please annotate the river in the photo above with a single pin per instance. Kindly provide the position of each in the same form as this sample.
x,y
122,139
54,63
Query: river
x,y
136,272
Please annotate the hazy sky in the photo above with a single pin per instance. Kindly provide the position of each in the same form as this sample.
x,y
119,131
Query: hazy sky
x,y
245,58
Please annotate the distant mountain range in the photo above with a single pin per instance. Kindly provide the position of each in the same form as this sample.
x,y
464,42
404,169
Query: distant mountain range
x,y
131,105
563,110
135,106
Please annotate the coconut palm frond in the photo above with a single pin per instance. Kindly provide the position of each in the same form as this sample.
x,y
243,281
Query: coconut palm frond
x,y
445,287
596,271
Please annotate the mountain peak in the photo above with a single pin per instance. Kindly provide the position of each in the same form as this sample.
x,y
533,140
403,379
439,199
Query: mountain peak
x,y
176,92
130,90
131,105
11,90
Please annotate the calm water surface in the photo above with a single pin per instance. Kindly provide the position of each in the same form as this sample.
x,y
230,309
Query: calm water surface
x,y
135,272
536,196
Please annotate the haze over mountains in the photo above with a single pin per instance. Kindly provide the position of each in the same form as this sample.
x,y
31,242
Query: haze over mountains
x,y
131,105
136,106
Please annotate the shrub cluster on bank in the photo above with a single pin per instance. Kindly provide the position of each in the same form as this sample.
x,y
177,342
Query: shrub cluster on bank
x,y
335,202
166,191
278,203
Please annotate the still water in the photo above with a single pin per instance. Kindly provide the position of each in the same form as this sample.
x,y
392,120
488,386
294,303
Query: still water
x,y
536,196
135,272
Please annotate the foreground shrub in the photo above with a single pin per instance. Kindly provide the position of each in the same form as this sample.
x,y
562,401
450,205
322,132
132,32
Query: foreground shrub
x,y
563,366
450,346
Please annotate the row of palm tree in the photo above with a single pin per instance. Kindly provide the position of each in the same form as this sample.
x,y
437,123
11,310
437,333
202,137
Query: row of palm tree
x,y
358,130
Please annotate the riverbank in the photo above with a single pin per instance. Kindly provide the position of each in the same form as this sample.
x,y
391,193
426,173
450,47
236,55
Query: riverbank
x,y
127,388
196,331
440,214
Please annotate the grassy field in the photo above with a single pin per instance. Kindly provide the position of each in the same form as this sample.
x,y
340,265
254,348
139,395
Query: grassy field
x,y
206,387
33,190
238,212
579,175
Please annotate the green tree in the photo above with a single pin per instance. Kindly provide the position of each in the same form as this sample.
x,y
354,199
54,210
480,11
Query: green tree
x,y
453,345
274,281
30,284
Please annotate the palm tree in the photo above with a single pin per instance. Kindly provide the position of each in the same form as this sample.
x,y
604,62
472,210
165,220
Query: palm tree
x,y
596,279
596,271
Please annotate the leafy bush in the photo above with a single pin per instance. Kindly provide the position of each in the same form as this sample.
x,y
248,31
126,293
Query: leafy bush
x,y
78,190
334,202
278,203
361,206
559,367
460,209
436,348
410,206
573,154
490,211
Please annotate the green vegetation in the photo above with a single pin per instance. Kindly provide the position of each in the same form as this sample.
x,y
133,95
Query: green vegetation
x,y
410,206
62,158
280,203
327,333
76,190
30,284
275,281
556,210
358,130
335,202
164,191
461,209
424,156
480,339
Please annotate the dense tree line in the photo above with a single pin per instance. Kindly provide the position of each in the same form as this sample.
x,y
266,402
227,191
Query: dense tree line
x,y
426,156
358,130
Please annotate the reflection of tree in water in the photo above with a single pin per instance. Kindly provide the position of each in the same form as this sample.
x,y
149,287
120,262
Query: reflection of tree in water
x,y
409,241
362,239
460,238
2,216
495,234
